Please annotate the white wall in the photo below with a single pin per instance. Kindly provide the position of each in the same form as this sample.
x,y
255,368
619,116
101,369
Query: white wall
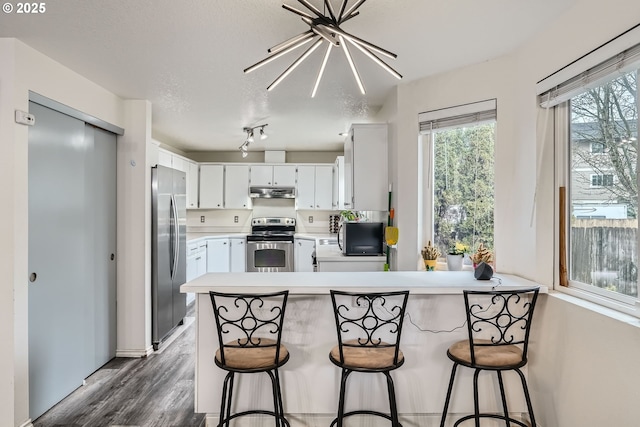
x,y
23,69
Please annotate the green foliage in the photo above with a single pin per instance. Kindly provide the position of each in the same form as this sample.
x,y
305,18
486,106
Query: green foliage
x,y
464,187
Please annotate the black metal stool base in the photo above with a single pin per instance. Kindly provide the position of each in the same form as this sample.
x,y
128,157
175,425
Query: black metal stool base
x,y
364,412
494,416
283,420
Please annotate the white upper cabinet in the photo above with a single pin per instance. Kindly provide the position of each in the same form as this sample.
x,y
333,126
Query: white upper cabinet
x,y
236,187
192,184
212,186
314,187
165,158
273,175
366,177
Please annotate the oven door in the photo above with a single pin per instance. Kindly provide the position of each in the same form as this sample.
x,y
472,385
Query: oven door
x,y
269,256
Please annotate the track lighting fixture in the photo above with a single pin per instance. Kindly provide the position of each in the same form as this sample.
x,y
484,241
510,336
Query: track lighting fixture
x,y
250,137
326,28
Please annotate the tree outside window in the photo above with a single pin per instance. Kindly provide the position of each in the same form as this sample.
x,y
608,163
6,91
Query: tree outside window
x,y
464,187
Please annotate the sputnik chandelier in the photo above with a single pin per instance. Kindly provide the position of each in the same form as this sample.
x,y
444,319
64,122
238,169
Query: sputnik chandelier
x,y
326,28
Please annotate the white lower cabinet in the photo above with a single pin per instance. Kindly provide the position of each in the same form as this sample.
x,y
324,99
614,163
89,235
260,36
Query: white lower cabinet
x,y
303,253
218,255
238,254
196,260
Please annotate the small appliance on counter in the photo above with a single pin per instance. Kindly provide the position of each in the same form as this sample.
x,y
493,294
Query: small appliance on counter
x,y
334,224
362,238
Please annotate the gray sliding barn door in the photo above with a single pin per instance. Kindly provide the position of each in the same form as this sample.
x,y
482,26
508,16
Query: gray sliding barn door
x,y
71,238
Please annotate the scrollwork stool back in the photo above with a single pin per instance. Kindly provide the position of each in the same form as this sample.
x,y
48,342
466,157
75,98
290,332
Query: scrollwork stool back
x,y
498,326
369,326
249,329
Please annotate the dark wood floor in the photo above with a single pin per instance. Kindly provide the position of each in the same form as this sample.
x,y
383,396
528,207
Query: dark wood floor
x,y
154,391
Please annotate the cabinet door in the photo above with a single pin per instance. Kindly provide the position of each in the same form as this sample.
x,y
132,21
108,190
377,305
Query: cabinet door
x,y
324,187
261,175
238,254
211,186
178,163
218,256
303,254
192,185
236,187
284,175
305,191
370,167
192,268
201,259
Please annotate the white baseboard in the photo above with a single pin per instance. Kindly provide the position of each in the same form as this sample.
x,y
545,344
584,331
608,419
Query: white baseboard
x,y
135,353
323,420
27,423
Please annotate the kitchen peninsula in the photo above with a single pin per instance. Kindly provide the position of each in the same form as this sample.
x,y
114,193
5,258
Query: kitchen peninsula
x,y
435,319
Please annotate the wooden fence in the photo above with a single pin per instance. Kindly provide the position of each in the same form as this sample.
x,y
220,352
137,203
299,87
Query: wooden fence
x,y
604,253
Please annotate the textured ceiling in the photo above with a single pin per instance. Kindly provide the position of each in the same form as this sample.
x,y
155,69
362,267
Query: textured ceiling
x,y
187,57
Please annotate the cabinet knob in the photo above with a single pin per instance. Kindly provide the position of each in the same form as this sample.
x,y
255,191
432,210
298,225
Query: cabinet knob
x,y
317,206
275,183
269,183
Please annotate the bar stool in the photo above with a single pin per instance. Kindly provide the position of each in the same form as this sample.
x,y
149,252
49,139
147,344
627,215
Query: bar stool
x,y
368,327
498,323
249,328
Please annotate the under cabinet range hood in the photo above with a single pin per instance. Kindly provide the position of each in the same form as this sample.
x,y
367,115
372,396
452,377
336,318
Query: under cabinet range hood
x,y
272,192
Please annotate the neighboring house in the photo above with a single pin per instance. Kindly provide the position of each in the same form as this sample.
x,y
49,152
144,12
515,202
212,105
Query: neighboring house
x,y
597,191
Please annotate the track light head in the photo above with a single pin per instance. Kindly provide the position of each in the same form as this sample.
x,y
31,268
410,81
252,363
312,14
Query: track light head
x,y
263,135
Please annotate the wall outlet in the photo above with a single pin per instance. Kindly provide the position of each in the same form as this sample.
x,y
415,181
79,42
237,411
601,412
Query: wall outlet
x,y
310,219
235,218
201,218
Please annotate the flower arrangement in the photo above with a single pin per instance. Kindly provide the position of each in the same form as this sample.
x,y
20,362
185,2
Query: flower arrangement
x,y
458,249
482,255
430,252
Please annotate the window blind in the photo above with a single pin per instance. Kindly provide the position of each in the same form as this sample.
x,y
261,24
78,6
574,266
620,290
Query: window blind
x,y
459,116
597,75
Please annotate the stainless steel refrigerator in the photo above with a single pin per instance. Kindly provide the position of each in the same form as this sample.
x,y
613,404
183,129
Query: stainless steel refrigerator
x,y
168,240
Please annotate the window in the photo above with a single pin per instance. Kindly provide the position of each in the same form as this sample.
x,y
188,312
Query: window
x,y
604,226
601,180
597,147
458,194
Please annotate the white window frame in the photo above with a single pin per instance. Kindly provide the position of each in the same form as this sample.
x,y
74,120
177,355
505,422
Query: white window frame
x,y
619,55
446,119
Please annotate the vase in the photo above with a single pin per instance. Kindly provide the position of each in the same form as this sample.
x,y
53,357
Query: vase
x,y
430,264
454,262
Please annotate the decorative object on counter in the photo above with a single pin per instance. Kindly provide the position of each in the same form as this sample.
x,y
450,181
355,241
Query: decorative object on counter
x,y
249,130
455,256
430,255
334,223
350,216
482,255
483,271
326,27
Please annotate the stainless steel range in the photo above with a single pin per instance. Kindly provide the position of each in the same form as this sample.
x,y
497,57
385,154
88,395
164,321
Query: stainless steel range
x,y
270,244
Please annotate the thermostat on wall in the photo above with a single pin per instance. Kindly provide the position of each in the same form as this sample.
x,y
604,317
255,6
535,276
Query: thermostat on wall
x,y
25,118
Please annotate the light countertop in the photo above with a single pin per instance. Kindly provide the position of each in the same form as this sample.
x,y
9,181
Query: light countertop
x,y
418,282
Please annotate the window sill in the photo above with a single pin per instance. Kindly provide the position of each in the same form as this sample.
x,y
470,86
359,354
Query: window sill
x,y
626,313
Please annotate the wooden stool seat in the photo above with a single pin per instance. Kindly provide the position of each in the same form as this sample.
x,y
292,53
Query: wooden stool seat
x,y
366,357
242,357
486,355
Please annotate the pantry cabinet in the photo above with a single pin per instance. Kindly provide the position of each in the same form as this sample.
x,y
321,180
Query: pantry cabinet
x,y
366,177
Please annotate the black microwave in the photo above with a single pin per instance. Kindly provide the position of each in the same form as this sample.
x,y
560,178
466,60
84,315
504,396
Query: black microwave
x,y
362,238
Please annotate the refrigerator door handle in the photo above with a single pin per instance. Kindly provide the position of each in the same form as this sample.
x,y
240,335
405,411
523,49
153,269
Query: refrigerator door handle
x,y
176,237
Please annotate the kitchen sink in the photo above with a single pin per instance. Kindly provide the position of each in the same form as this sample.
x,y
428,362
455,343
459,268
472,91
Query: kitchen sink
x,y
330,241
